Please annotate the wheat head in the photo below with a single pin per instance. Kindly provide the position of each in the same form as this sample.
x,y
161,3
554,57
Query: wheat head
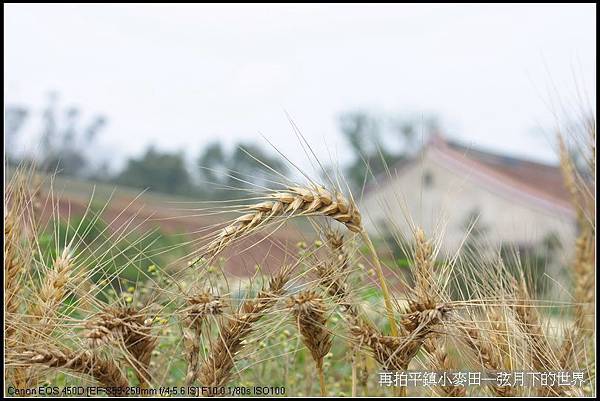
x,y
129,328
296,201
199,307
216,370
105,371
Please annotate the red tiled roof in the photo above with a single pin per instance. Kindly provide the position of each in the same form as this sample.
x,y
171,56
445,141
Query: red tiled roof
x,y
532,179
539,177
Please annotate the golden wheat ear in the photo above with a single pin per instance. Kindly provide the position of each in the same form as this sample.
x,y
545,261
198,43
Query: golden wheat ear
x,y
309,313
105,371
51,294
577,347
486,354
216,369
200,306
128,328
543,355
393,352
296,201
427,295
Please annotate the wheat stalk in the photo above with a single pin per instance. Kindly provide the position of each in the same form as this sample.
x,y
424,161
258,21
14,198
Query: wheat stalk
x,y
309,312
542,354
299,201
487,356
426,296
333,275
395,353
51,293
128,328
200,306
296,201
105,371
12,271
216,370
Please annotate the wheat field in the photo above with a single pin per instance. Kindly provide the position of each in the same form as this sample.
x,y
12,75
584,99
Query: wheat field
x,y
87,314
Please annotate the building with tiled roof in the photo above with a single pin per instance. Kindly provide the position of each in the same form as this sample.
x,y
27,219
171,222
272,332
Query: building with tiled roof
x,y
447,185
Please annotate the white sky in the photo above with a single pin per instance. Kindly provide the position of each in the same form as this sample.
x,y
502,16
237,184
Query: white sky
x,y
182,75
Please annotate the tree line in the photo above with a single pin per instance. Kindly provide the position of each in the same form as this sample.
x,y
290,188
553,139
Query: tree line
x,y
67,142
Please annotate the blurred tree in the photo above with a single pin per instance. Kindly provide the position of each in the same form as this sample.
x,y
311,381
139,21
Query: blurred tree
x,y
157,171
361,130
247,166
213,164
14,118
65,145
414,130
376,145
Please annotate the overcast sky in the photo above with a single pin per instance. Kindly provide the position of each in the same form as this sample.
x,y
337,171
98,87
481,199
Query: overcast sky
x,y
182,75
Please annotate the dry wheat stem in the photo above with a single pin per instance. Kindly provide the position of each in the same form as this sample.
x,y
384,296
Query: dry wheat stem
x,y
216,370
386,294
426,297
542,354
309,312
333,276
199,307
395,353
12,271
354,378
487,356
129,328
105,371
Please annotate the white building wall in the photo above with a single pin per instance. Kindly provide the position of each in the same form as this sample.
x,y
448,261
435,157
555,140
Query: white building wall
x,y
451,198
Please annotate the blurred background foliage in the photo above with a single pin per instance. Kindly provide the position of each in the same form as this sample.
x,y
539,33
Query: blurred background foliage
x,y
117,259
68,147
